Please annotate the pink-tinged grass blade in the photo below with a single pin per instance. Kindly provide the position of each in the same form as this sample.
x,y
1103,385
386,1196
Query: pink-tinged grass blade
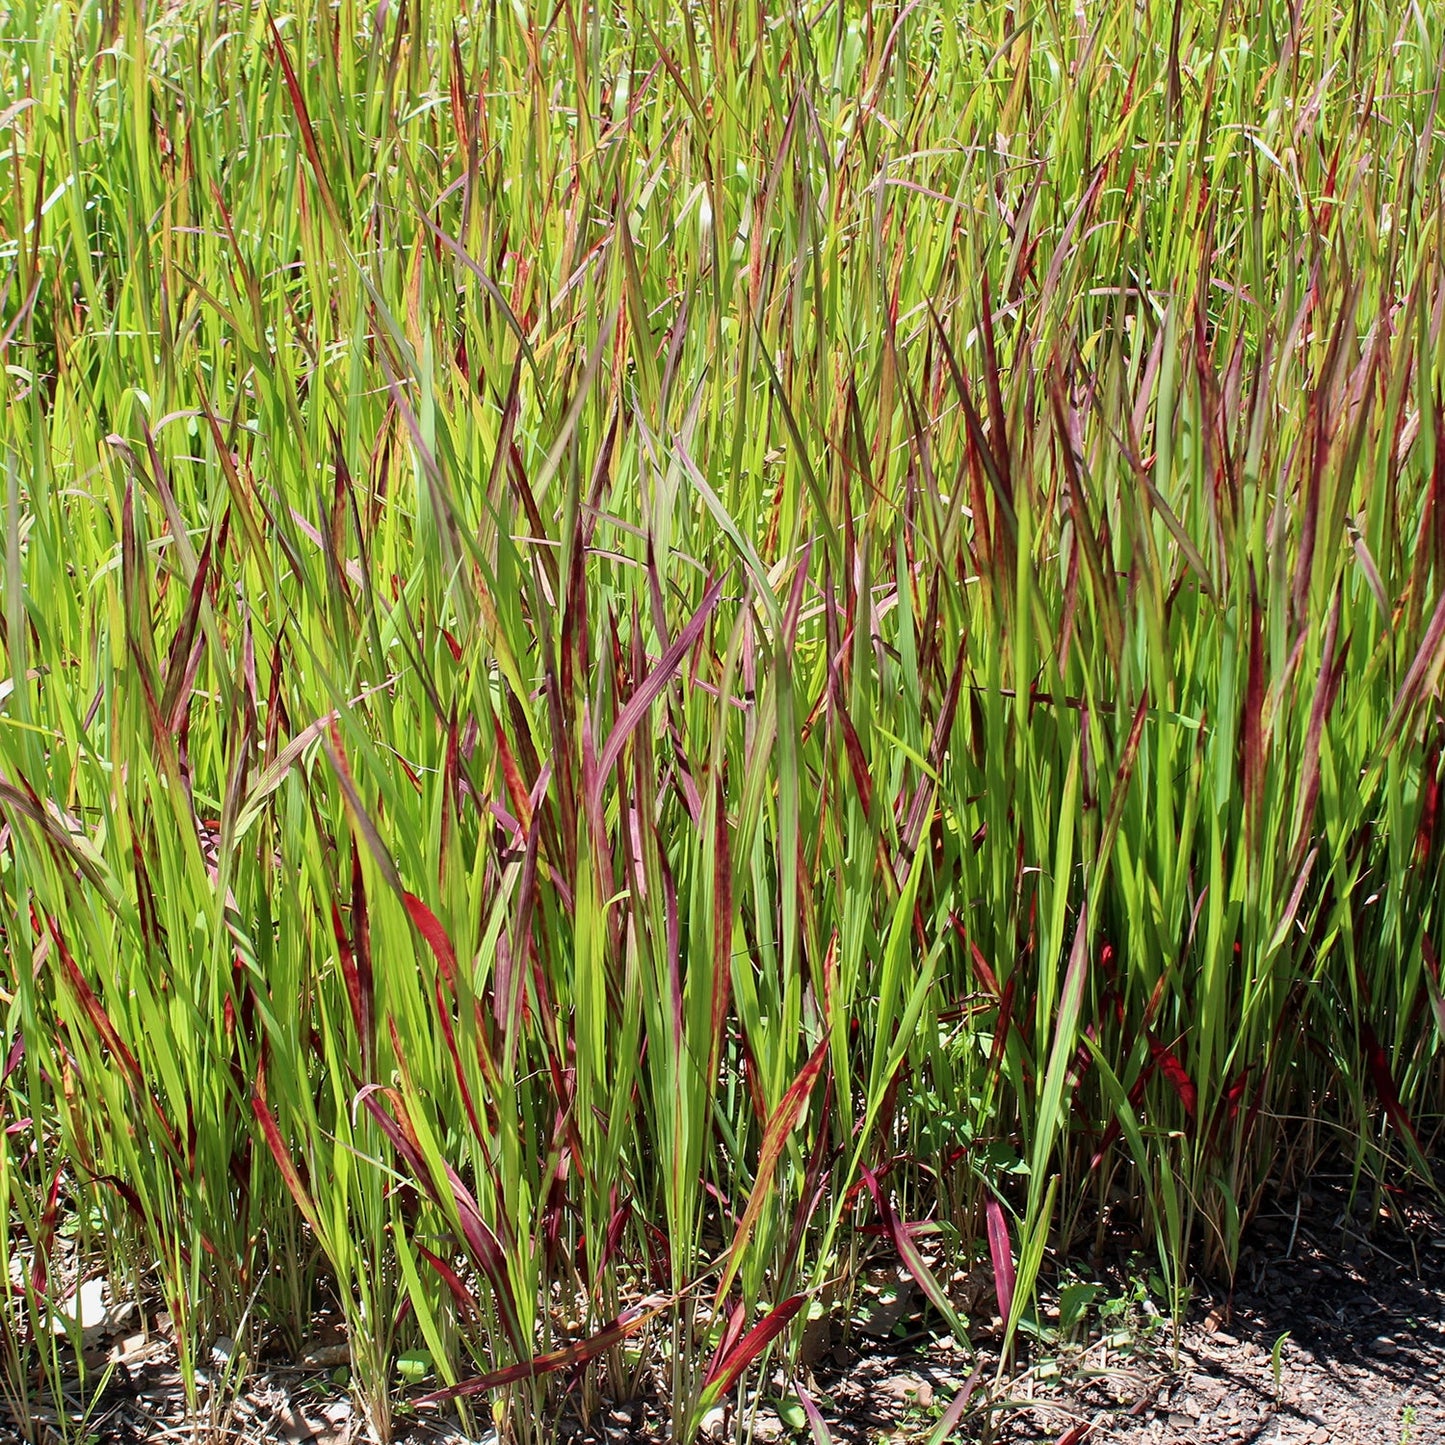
x,y
727,1371
465,1301
1000,1249
949,1420
817,1426
650,689
482,1242
568,1357
290,1175
792,1108
901,1237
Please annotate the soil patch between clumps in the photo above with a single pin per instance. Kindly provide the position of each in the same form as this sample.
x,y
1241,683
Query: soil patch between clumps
x,y
1335,1333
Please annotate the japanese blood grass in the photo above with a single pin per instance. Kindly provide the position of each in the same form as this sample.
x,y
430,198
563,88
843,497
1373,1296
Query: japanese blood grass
x,y
641,638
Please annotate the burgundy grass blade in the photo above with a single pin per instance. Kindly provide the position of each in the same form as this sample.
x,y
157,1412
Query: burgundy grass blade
x,y
444,1016
650,689
727,1372
430,928
351,977
95,1012
13,1057
303,118
948,1421
290,1175
1001,1251
1432,982
786,1117
512,776
465,1301
355,956
1427,661
399,1131
901,1237
732,1333
722,925
1384,1082
184,658
485,1248
608,1337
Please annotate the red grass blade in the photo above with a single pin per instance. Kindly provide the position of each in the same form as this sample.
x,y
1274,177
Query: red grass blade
x,y
466,1303
303,119
13,1058
901,1237
651,687
727,1372
430,928
722,926
786,1117
354,953
486,1249
817,1426
1001,1251
568,1356
290,1175
95,1012
732,1333
1385,1087
1176,1073
951,1416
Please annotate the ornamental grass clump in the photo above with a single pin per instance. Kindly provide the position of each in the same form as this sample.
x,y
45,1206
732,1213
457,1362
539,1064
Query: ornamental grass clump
x,y
650,649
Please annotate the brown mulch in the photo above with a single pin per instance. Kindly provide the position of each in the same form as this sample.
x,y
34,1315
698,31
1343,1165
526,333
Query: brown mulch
x,y
1363,1309
1334,1334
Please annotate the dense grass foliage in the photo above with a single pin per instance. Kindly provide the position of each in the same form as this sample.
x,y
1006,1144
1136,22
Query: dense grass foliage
x,y
647,646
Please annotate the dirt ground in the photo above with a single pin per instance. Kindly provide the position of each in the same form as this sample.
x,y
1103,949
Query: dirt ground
x,y
1334,1335
1363,1358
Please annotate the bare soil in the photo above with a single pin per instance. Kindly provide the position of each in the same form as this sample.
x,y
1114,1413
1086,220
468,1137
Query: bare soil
x,y
1334,1334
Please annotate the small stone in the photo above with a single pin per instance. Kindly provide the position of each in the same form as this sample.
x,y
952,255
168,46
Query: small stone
x,y
326,1357
1384,1345
94,1310
295,1430
130,1349
909,1389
